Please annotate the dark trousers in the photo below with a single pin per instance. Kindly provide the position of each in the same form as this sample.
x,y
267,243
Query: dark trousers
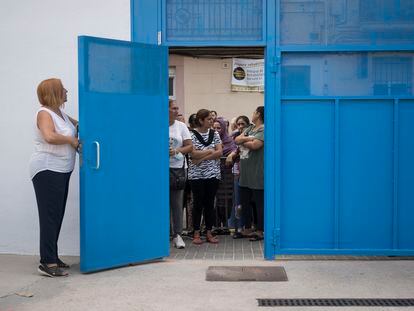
x,y
51,190
204,193
247,197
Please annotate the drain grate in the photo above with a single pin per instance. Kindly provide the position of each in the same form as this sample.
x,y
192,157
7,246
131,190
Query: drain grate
x,y
341,302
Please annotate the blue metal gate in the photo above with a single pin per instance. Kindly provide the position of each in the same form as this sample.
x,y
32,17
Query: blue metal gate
x,y
339,112
122,94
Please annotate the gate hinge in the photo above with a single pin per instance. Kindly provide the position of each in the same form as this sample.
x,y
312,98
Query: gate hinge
x,y
276,238
159,38
275,65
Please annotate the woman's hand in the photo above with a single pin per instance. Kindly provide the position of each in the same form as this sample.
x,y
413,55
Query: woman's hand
x,y
172,152
229,159
203,155
74,142
241,139
200,154
196,162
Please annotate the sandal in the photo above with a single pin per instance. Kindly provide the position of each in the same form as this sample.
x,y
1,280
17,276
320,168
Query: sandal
x,y
256,237
197,239
211,239
247,233
238,235
62,265
54,271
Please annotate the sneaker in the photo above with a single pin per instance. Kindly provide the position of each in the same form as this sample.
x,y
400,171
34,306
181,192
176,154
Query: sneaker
x,y
62,265
178,242
51,271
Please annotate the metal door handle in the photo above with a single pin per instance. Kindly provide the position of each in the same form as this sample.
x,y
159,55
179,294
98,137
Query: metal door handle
x,y
98,155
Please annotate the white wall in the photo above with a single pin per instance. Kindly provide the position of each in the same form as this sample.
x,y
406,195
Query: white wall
x,y
38,41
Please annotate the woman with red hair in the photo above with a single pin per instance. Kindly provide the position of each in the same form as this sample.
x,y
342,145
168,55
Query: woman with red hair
x,y
51,165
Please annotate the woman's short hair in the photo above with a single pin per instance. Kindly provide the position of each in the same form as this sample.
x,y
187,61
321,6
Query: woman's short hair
x,y
260,111
201,115
50,93
244,118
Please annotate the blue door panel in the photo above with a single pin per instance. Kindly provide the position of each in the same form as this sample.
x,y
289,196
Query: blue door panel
x,y
307,216
145,21
124,185
405,202
366,174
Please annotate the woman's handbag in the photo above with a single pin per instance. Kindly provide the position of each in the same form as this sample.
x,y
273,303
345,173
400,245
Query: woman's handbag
x,y
177,178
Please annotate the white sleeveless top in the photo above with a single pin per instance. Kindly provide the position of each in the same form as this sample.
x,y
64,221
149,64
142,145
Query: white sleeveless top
x,y
57,158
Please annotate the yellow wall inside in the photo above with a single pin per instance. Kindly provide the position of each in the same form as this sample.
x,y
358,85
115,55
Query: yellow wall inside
x,y
206,83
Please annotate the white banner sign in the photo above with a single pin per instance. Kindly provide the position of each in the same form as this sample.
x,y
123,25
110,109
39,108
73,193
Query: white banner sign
x,y
247,75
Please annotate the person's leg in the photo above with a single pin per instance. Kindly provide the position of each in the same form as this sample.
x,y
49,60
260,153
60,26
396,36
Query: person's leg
x,y
211,187
197,187
258,199
176,200
187,206
190,212
234,220
50,193
65,178
254,212
245,199
238,206
198,194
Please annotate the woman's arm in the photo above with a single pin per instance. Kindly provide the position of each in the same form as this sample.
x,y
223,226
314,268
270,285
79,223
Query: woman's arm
x,y
241,139
187,147
47,128
230,157
199,154
256,144
218,152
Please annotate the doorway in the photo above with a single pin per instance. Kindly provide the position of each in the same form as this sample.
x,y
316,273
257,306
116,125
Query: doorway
x,y
201,78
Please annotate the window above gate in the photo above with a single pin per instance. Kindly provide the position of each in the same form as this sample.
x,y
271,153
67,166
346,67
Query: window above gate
x,y
345,22
350,74
214,20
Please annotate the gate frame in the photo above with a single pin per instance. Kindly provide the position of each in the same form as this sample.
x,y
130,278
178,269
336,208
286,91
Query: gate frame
x,y
155,32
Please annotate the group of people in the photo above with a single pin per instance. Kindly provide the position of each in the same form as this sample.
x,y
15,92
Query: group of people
x,y
195,152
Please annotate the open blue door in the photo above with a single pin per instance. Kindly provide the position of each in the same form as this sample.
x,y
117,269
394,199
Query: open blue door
x,y
123,108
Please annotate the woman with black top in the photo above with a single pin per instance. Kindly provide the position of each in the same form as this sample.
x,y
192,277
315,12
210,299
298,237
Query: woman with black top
x,y
204,173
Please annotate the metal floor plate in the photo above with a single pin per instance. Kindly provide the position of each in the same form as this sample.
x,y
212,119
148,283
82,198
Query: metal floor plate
x,y
246,274
340,302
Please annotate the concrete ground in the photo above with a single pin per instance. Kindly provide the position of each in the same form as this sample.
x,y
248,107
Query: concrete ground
x,y
175,284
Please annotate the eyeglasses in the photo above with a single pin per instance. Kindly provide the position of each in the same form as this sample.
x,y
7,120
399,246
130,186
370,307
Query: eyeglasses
x,y
241,124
